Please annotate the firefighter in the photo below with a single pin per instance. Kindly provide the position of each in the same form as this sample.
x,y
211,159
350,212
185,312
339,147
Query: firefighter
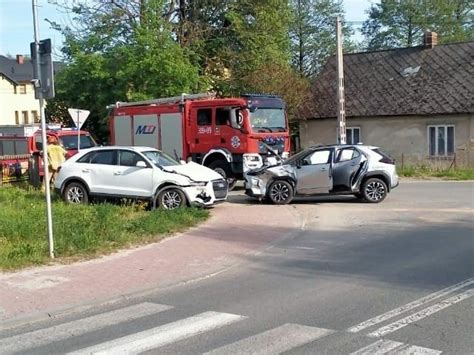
x,y
56,156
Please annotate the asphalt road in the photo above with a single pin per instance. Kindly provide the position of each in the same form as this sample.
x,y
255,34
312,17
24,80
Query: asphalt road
x,y
397,277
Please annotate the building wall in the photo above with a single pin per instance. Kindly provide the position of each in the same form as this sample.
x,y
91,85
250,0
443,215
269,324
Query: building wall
x,y
404,138
21,103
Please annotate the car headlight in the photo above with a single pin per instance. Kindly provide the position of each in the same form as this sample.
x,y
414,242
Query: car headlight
x,y
252,161
198,183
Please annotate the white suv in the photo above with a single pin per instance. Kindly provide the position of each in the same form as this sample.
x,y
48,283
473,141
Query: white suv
x,y
360,170
141,173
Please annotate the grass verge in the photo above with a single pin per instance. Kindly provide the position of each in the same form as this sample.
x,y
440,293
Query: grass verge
x,y
425,172
79,231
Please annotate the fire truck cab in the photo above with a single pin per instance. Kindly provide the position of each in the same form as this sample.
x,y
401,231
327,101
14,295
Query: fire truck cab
x,y
224,134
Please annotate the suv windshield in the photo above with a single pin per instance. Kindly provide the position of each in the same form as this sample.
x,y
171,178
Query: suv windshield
x,y
268,120
70,142
160,159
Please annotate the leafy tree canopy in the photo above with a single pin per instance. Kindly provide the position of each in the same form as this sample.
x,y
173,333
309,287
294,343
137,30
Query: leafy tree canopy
x,y
402,23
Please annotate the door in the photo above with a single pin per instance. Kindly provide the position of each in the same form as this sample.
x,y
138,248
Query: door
x,y
314,173
203,130
131,180
97,168
348,162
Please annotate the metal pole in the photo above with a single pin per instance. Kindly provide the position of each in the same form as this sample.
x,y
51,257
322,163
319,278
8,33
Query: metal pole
x,y
43,135
78,133
341,113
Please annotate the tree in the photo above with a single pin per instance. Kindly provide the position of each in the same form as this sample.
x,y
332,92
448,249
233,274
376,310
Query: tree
x,y
395,23
313,33
126,51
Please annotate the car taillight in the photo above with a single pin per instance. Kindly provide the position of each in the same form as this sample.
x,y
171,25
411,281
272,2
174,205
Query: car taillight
x,y
387,160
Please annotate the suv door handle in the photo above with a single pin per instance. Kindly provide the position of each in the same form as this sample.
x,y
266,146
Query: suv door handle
x,y
86,170
323,169
118,173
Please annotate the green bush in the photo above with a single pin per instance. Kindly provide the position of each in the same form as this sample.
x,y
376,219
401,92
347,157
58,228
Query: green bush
x,y
81,231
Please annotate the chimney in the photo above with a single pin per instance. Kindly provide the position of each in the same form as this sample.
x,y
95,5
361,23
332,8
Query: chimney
x,y
430,39
20,59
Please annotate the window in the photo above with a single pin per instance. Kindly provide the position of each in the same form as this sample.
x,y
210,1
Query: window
x,y
347,154
17,117
24,115
35,117
106,157
22,88
441,140
204,117
222,116
352,135
127,158
318,157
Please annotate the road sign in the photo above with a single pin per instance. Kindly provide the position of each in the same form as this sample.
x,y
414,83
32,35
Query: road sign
x,y
78,116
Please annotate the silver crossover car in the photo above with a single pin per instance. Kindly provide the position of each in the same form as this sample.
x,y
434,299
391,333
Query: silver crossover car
x,y
361,170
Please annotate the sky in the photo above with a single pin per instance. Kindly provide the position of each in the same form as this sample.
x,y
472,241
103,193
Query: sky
x,y
16,23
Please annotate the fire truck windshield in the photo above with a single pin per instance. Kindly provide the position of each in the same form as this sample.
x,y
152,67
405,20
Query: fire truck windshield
x,y
268,120
69,142
160,159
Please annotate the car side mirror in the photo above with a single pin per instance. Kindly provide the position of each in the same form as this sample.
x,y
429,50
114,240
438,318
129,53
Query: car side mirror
x,y
141,164
299,164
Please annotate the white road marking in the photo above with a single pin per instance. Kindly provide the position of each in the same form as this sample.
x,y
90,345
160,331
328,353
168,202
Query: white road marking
x,y
394,348
379,347
416,350
163,335
78,327
392,327
409,306
274,341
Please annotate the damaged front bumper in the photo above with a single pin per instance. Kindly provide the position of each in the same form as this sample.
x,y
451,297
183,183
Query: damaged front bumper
x,y
203,196
255,187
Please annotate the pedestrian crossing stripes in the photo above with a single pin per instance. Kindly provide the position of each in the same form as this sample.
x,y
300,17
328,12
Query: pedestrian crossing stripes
x,y
274,341
394,347
282,338
78,327
163,335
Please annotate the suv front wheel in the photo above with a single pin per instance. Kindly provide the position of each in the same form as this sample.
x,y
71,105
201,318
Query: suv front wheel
x,y
374,190
280,192
75,193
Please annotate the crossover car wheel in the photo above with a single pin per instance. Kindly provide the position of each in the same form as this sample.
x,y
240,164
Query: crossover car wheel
x,y
75,193
170,199
280,192
374,190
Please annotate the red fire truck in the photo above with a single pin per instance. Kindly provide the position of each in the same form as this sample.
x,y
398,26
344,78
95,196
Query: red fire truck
x,y
224,134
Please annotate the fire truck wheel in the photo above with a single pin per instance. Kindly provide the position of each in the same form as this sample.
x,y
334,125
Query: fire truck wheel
x,y
170,199
223,168
75,193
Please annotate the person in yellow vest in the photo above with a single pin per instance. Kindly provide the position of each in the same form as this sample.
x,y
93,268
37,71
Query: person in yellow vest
x,y
56,156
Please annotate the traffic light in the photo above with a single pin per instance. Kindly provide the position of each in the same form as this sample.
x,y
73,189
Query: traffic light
x,y
44,85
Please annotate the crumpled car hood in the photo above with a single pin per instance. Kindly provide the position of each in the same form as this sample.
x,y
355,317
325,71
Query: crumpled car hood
x,y
194,171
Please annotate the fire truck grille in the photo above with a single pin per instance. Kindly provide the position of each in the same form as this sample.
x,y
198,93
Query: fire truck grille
x,y
220,189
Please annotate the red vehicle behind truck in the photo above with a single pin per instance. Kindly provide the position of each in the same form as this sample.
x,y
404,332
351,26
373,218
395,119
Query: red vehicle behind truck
x,y
224,134
18,143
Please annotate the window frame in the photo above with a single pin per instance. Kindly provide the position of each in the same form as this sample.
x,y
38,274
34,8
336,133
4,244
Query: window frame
x,y
351,129
307,158
199,124
445,127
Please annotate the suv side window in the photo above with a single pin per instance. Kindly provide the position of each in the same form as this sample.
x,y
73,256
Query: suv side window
x,y
347,154
318,157
105,157
128,158
86,158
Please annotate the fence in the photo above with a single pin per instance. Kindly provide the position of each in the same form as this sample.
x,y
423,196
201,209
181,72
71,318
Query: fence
x,y
19,168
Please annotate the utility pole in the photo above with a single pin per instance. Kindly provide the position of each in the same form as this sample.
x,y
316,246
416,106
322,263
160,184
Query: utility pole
x,y
39,86
341,113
